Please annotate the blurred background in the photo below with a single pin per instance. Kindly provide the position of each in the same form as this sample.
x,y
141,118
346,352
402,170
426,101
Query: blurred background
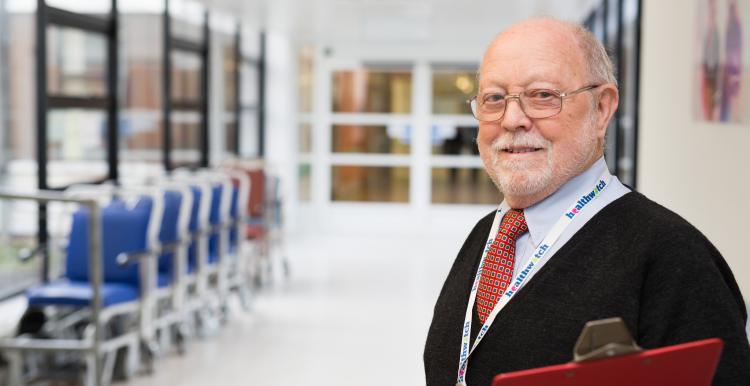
x,y
357,109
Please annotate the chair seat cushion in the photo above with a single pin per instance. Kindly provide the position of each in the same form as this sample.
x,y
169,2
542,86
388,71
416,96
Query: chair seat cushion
x,y
255,231
74,293
164,280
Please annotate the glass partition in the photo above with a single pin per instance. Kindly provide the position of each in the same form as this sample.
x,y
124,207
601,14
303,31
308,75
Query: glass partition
x,y
384,139
76,146
372,91
76,62
141,120
454,140
456,185
186,77
186,139
304,177
451,89
370,183
18,166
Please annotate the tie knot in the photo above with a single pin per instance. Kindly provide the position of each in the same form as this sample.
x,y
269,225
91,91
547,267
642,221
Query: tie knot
x,y
514,224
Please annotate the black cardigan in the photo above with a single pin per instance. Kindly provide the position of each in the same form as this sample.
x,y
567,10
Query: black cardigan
x,y
645,264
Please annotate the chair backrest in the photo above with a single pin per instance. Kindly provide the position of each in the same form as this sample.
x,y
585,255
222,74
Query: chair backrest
x,y
215,215
214,218
124,229
169,230
234,212
257,192
194,225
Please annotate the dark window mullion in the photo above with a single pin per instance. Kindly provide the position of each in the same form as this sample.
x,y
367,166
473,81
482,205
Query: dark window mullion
x,y
113,113
174,44
179,44
205,74
64,18
187,105
64,101
237,89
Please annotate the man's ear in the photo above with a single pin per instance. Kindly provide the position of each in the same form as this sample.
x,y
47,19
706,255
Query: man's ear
x,y
606,105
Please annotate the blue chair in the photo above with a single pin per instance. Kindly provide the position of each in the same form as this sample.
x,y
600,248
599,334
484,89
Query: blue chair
x,y
198,298
215,220
195,228
239,262
235,218
170,317
169,235
125,231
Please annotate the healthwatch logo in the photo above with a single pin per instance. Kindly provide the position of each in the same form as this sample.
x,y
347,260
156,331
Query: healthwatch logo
x,y
585,199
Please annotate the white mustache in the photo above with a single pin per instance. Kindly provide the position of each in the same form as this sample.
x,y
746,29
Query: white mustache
x,y
520,139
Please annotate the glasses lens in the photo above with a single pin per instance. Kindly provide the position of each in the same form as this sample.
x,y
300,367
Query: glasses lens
x,y
491,107
473,107
541,103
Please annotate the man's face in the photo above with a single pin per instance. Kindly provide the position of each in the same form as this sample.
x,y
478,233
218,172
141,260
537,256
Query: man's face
x,y
533,157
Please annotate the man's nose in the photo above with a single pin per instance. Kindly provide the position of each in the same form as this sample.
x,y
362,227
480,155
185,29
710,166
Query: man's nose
x,y
515,118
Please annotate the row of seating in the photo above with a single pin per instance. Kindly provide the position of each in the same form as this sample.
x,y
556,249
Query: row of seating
x,y
147,268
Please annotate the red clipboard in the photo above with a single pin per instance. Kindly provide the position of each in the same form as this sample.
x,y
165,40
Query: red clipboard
x,y
688,364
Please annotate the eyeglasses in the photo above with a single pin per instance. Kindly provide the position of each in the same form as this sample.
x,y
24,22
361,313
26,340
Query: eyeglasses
x,y
536,103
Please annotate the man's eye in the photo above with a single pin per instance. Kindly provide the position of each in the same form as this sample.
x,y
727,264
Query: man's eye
x,y
494,98
541,94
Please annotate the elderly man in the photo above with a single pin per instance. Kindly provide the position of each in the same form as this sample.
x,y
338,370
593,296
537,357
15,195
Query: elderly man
x,y
569,243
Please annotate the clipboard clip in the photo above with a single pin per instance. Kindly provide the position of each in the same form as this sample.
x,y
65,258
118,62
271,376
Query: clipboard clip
x,y
604,338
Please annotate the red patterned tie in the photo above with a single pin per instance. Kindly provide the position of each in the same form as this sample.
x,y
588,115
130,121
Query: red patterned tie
x,y
498,265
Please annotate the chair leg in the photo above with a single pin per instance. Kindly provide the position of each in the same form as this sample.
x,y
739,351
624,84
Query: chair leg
x,y
133,359
108,367
15,368
181,334
245,296
91,377
148,350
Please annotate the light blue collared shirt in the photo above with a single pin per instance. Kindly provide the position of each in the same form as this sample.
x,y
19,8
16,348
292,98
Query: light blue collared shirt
x,y
542,216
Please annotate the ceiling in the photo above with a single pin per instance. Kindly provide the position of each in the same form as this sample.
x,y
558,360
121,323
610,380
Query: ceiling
x,y
337,22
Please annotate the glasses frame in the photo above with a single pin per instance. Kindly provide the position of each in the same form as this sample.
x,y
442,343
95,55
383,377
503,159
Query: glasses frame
x,y
517,97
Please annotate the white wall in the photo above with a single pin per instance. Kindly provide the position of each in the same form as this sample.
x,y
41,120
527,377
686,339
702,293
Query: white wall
x,y
697,169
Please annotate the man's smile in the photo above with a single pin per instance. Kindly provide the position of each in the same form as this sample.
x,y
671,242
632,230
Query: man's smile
x,y
521,150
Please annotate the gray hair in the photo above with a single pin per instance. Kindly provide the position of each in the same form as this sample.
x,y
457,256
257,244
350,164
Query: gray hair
x,y
599,64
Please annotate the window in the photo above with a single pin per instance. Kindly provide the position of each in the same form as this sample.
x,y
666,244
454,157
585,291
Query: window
x,y
186,139
305,130
372,91
18,230
141,119
456,185
370,183
76,62
451,89
371,134
186,78
384,139
76,146
304,177
251,52
457,174
227,45
454,140
18,166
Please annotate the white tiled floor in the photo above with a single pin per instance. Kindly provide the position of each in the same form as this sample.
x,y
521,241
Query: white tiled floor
x,y
356,311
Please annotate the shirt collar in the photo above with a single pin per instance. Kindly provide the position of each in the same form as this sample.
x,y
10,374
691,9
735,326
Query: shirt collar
x,y
542,216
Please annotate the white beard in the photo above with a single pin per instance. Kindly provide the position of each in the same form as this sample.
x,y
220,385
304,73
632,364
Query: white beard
x,y
518,177
525,178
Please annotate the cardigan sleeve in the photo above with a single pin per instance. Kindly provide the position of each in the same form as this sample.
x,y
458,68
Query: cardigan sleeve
x,y
688,294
